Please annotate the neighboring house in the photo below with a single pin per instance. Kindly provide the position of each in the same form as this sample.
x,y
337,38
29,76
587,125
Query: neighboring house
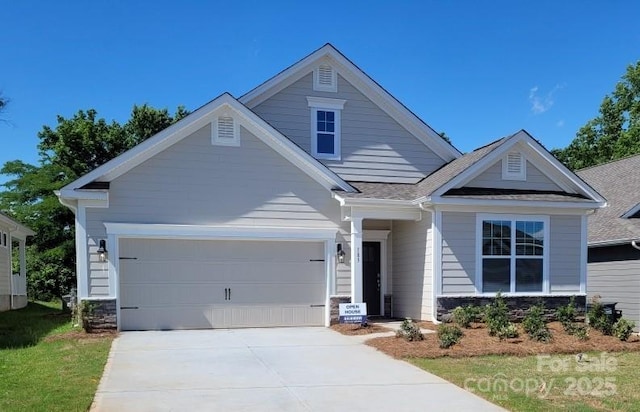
x,y
614,263
13,281
315,188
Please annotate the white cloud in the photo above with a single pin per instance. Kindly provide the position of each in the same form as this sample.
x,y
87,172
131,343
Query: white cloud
x,y
540,104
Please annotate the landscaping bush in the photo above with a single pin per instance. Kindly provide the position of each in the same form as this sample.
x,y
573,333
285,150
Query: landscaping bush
x,y
599,319
535,326
579,330
465,315
449,335
622,329
496,315
567,315
510,330
410,331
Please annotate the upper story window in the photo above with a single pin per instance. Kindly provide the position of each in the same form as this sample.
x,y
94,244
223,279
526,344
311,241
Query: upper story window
x,y
4,239
513,255
325,78
325,127
225,131
514,166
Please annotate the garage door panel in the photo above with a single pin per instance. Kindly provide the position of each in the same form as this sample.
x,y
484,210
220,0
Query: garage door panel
x,y
183,284
178,271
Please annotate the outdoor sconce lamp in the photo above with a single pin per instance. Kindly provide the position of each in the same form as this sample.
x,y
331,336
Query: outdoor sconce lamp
x,y
340,253
102,251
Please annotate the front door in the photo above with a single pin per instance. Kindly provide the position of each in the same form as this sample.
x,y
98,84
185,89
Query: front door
x,y
371,281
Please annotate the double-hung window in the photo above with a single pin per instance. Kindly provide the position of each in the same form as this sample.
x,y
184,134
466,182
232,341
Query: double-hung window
x,y
325,127
513,255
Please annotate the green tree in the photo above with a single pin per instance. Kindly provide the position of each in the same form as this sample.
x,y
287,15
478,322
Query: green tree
x,y
72,148
614,133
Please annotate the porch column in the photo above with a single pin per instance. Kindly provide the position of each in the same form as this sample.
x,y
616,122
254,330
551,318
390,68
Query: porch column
x,y
23,257
356,260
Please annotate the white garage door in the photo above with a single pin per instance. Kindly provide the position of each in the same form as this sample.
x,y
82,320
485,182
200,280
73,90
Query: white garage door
x,y
194,284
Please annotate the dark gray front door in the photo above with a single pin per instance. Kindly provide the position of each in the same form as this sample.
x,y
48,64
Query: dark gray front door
x,y
371,281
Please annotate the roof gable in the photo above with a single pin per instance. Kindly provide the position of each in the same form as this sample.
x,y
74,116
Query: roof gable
x,y
460,172
185,127
361,81
619,182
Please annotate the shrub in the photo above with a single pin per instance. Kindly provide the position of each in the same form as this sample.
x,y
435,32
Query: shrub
x,y
509,330
623,328
599,319
567,314
579,330
465,315
449,335
496,315
534,324
410,331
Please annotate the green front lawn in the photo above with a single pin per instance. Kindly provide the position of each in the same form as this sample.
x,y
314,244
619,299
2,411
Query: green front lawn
x,y
598,382
46,364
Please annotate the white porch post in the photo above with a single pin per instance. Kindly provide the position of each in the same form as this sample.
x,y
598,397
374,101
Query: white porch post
x,y
23,257
356,260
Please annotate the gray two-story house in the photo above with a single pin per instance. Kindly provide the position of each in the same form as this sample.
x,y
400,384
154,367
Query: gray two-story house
x,y
319,187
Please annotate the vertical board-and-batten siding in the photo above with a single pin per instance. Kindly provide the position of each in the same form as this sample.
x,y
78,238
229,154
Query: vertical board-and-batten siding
x,y
374,146
196,183
492,178
564,254
458,253
412,268
614,276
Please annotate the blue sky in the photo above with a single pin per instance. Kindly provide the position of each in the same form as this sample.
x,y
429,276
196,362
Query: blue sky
x,y
475,70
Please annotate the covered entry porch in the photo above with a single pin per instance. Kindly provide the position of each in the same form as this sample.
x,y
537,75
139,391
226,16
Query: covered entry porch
x,y
386,260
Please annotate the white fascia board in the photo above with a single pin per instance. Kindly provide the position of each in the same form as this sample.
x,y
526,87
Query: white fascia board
x,y
89,194
530,146
631,212
128,160
365,85
196,120
17,230
349,201
584,206
163,231
579,185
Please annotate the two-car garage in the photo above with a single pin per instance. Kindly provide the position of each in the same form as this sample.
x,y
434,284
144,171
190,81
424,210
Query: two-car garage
x,y
221,283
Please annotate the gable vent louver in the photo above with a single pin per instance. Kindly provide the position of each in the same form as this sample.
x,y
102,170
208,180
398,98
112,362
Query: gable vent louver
x,y
325,78
513,167
514,163
226,129
325,75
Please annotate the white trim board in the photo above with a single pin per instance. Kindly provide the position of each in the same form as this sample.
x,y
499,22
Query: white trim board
x,y
164,231
190,124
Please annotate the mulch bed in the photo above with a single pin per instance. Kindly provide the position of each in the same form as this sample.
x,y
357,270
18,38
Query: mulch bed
x,y
351,329
477,342
81,335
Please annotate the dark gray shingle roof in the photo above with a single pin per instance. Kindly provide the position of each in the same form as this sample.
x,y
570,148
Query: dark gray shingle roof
x,y
619,183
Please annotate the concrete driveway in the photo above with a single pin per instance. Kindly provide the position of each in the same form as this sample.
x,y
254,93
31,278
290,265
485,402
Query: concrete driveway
x,y
278,369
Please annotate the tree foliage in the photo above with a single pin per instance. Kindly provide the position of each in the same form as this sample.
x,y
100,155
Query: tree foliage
x,y
614,133
75,146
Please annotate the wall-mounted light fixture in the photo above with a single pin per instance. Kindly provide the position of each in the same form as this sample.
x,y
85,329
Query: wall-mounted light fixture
x,y
340,253
102,251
